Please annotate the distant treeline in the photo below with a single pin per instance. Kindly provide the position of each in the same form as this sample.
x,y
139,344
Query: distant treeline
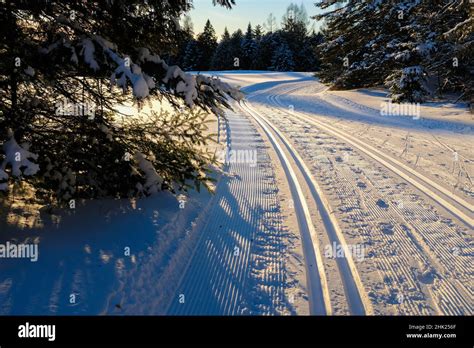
x,y
419,50
293,47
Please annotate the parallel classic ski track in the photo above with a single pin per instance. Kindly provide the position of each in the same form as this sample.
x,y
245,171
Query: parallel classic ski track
x,y
421,182
424,236
357,299
320,303
217,282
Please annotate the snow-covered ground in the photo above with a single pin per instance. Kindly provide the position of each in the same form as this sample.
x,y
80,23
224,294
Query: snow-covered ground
x,y
113,256
324,206
399,187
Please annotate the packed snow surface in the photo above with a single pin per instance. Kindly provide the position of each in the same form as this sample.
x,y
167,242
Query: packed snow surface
x,y
396,190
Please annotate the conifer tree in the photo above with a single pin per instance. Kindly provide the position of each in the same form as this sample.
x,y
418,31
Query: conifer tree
x,y
409,85
294,32
258,33
223,59
249,49
192,56
65,69
207,42
371,43
283,58
237,54
266,50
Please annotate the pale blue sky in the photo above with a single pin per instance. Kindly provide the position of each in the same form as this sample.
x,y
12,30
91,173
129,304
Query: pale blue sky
x,y
245,11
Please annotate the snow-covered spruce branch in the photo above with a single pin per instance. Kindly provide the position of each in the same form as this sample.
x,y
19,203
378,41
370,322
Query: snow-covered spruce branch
x,y
18,159
61,60
147,73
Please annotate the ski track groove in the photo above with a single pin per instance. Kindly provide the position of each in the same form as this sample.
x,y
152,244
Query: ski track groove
x,y
424,179
423,183
354,291
320,302
397,167
424,241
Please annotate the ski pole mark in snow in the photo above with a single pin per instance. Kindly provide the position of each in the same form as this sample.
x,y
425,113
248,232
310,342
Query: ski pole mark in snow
x,y
350,115
354,290
320,302
403,171
415,260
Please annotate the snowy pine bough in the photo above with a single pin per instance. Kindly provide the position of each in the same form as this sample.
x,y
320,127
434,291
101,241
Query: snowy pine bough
x,y
79,53
18,159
